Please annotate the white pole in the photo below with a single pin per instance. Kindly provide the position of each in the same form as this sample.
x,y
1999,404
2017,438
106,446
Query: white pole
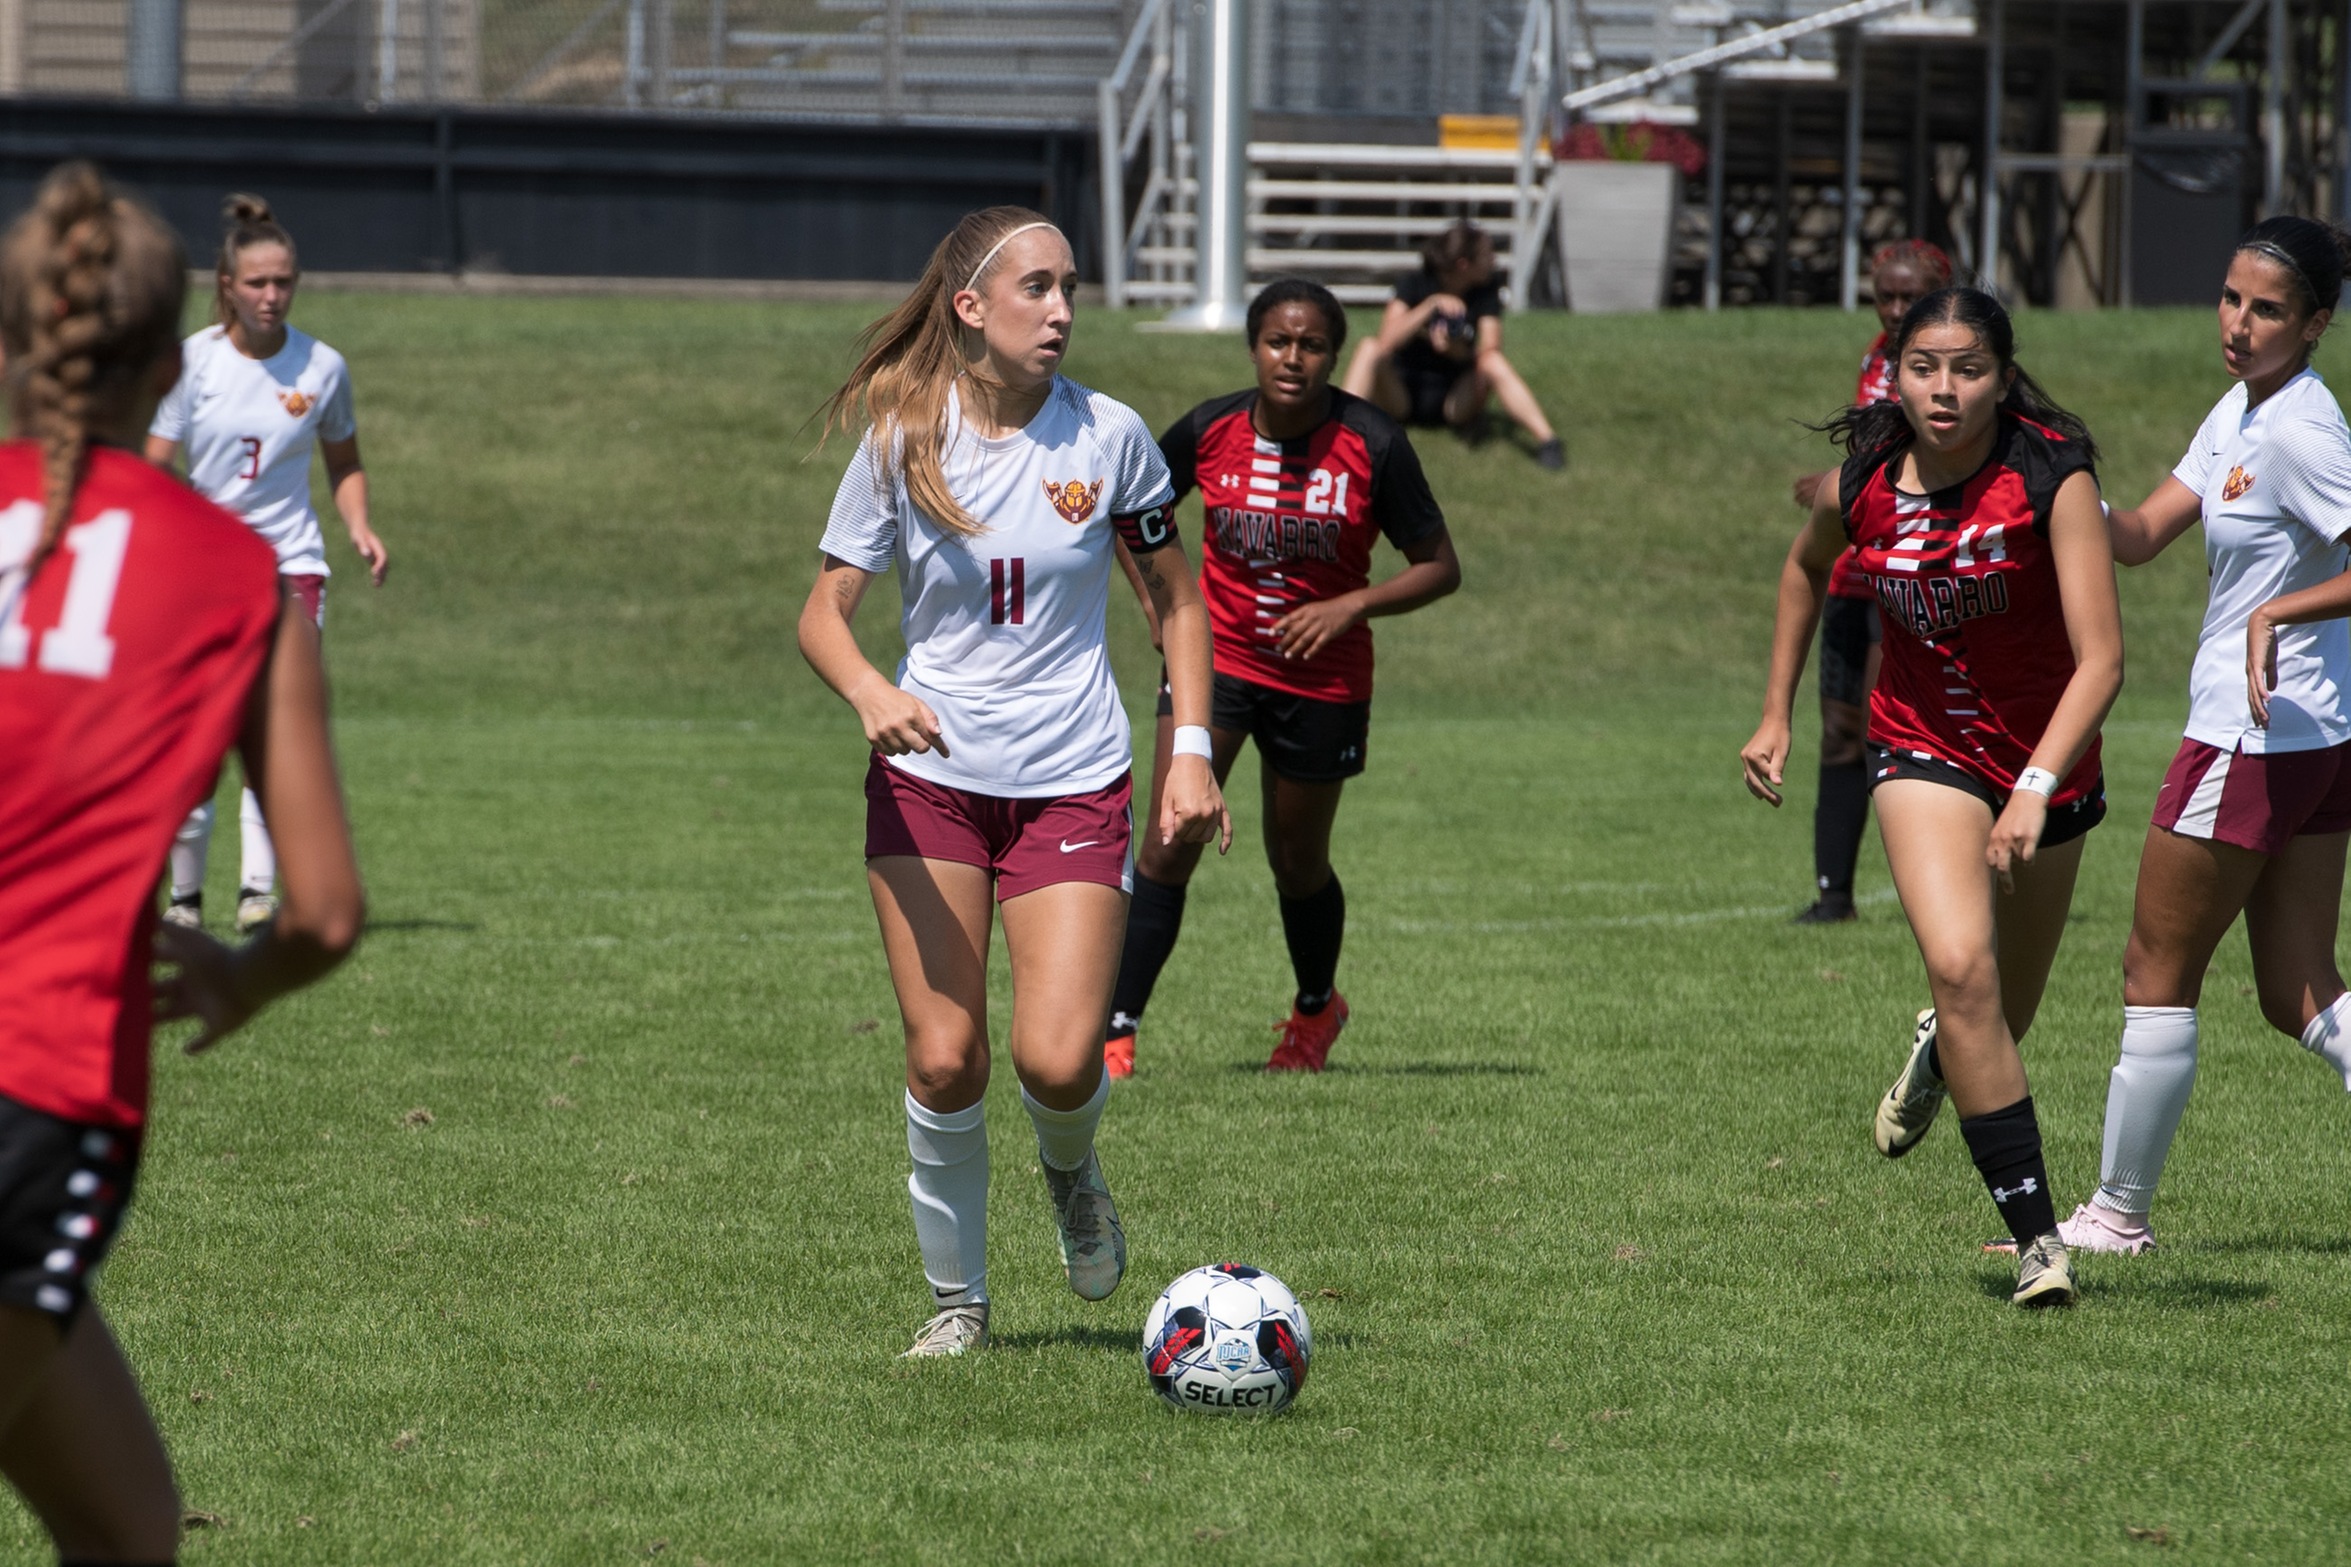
x,y
388,51
1849,257
1221,145
1987,261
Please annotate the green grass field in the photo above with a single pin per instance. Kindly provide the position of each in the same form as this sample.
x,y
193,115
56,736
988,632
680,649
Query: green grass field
x,y
568,1222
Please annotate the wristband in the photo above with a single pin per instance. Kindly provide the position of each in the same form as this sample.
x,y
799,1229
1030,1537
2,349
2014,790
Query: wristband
x,y
1192,740
2036,780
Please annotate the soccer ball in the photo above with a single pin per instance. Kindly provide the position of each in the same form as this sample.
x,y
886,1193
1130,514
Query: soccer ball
x,y
1227,1339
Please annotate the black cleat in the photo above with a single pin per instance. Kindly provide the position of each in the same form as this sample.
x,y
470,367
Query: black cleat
x,y
1552,454
1831,909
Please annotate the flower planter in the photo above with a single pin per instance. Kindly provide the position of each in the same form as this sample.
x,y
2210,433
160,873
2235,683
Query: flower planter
x,y
1616,233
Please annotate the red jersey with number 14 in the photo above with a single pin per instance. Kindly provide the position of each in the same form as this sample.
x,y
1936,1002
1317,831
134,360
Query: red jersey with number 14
x,y
1293,522
1976,655
125,663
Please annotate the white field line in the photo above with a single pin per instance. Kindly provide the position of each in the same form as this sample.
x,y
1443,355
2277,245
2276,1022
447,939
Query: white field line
x,y
1608,922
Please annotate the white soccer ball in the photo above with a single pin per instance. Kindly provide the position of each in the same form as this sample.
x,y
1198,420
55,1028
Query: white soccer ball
x,y
1227,1339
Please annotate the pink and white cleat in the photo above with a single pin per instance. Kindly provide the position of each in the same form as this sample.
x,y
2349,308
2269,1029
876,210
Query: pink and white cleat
x,y
2094,1227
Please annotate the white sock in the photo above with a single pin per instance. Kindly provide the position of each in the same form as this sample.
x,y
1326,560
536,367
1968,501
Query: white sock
x,y
191,846
949,1187
2144,1098
2329,1035
260,872
1065,1137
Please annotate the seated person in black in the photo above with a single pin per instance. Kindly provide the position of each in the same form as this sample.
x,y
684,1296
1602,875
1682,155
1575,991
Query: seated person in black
x,y
1438,355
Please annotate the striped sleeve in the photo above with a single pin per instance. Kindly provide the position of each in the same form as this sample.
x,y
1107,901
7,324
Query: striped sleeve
x,y
1139,478
863,528
2309,461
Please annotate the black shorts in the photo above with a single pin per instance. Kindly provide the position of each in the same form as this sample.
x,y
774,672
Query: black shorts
x,y
1300,737
63,1189
1425,391
1849,628
2064,823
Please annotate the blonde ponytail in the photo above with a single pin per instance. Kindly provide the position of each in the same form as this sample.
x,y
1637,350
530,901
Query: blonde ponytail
x,y
909,360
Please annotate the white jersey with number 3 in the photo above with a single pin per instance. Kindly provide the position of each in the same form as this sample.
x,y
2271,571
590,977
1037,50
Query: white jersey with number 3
x,y
2276,484
1004,629
248,427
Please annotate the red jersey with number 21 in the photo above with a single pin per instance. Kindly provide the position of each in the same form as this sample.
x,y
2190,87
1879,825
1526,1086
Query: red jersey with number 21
x,y
125,664
1293,522
1976,655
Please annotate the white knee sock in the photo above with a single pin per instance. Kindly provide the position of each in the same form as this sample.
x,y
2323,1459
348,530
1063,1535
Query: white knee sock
x,y
2329,1035
191,846
2144,1098
1065,1137
260,872
950,1191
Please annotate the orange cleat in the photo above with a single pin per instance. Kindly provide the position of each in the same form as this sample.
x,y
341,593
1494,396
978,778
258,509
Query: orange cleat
x,y
1118,1056
1306,1041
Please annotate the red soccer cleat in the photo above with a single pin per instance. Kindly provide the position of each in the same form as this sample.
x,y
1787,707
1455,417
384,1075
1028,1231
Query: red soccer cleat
x,y
1306,1041
1118,1056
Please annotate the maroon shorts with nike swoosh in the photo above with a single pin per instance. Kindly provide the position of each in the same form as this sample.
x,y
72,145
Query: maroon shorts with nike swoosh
x,y
1024,844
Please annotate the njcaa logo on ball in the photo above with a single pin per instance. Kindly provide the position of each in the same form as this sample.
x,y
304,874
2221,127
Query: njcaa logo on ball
x,y
296,403
1074,499
2239,481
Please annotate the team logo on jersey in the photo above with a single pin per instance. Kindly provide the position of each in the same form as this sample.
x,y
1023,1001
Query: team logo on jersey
x,y
296,403
1074,499
2239,482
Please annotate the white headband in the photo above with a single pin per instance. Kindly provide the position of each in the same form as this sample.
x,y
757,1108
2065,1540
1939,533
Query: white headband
x,y
974,280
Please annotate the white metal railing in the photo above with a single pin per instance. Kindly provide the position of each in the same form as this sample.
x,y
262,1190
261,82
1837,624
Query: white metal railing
x,y
1770,40
1124,133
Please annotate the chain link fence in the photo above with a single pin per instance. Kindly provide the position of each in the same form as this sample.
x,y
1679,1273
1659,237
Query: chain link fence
x,y
958,61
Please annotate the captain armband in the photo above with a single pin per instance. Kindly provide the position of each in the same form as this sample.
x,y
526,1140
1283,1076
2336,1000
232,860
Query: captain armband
x,y
1150,529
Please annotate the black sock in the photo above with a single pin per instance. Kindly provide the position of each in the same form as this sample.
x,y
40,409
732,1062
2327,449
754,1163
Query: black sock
x,y
2006,1146
1838,818
1314,927
1154,919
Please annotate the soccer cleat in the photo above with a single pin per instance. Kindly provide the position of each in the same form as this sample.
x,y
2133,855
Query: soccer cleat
x,y
254,910
1552,454
1306,1041
1828,910
2095,1227
187,913
1910,1105
1093,1246
951,1332
1118,1055
2044,1273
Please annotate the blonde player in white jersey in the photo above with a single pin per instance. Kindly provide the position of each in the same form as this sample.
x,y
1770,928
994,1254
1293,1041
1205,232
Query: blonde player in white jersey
x,y
255,397
2255,811
1001,753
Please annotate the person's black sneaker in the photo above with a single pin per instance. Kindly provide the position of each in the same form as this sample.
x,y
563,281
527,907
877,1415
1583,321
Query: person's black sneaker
x,y
1832,909
1552,454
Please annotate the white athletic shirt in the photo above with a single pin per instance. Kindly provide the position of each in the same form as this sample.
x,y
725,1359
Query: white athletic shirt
x,y
2276,484
1004,629
248,427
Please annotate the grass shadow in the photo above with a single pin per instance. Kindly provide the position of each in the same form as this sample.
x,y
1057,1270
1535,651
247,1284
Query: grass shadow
x,y
2194,1294
1075,1337
2333,1246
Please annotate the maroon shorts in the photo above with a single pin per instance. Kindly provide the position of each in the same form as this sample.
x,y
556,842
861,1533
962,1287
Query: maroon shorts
x,y
2256,800
1024,844
309,591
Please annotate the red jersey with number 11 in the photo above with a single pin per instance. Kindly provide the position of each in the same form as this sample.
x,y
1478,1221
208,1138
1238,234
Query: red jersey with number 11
x,y
1976,655
125,664
1293,522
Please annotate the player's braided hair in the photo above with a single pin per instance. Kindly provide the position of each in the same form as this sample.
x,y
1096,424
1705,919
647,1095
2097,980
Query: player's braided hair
x,y
1880,430
909,360
245,221
91,287
1926,258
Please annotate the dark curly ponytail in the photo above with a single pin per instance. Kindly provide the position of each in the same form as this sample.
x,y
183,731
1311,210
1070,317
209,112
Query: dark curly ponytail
x,y
1880,430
